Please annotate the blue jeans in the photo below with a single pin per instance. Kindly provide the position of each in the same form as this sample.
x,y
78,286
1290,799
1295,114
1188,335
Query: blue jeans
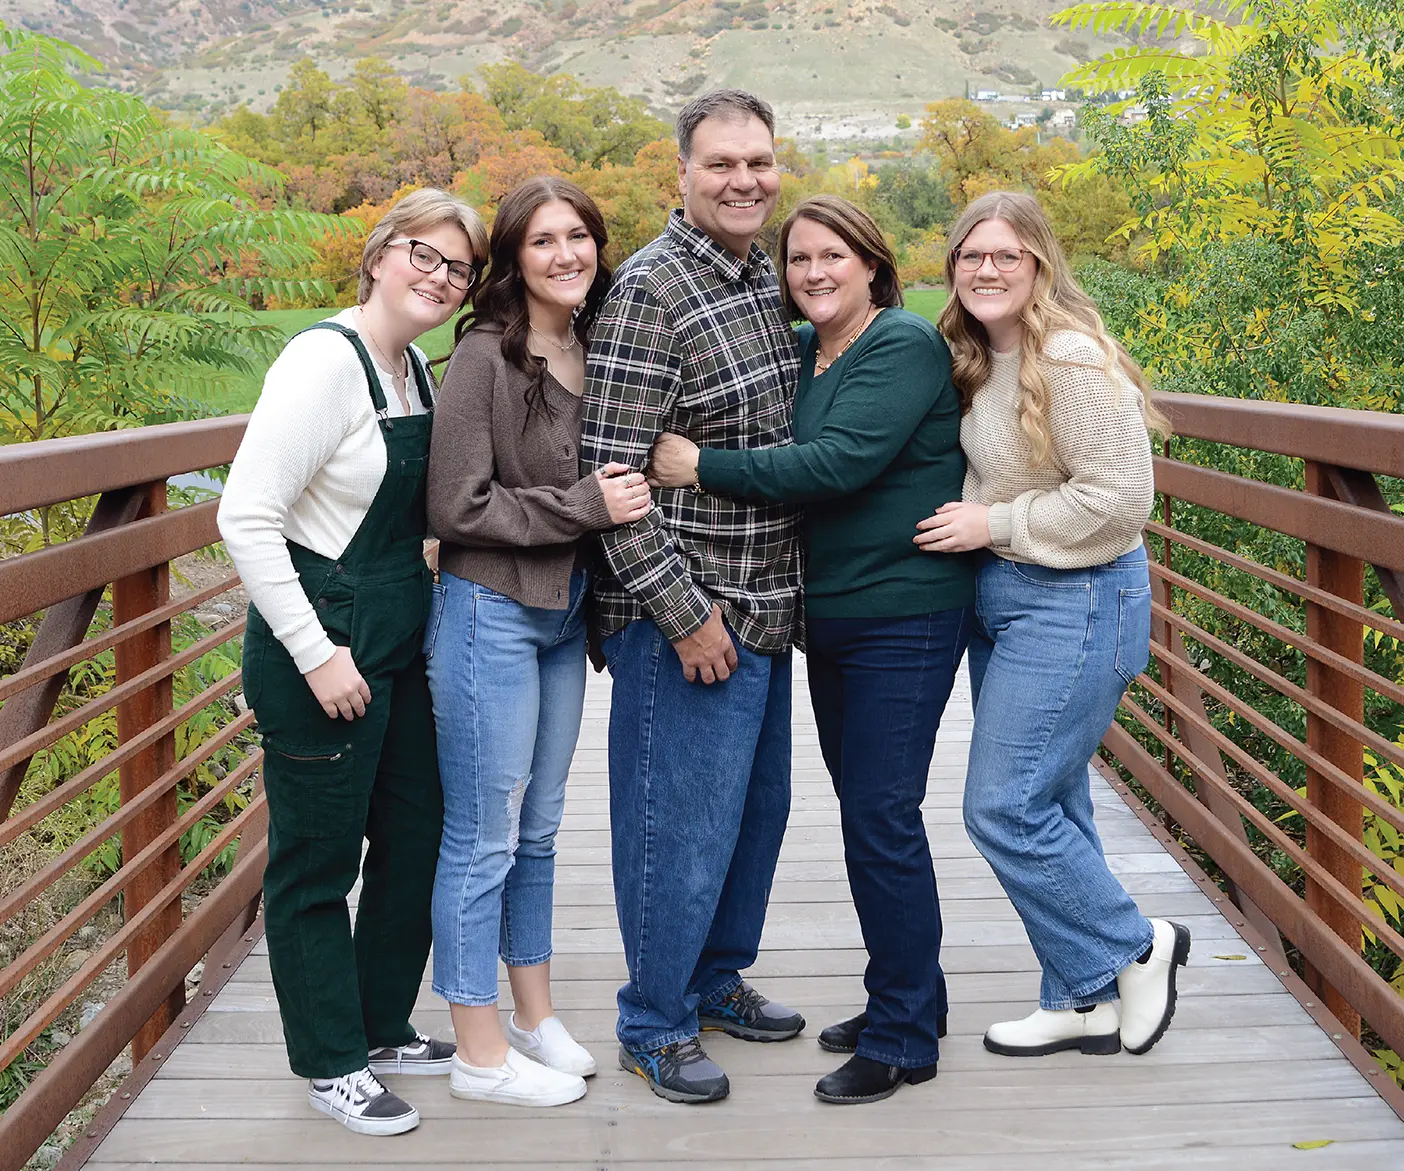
x,y
879,688
1051,655
508,683
699,793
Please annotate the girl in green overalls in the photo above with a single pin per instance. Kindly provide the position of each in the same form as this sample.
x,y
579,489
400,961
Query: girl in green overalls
x,y
323,514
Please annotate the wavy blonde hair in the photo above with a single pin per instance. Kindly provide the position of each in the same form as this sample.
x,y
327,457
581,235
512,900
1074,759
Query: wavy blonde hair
x,y
1057,302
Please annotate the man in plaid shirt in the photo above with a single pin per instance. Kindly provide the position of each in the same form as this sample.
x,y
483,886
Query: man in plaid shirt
x,y
698,606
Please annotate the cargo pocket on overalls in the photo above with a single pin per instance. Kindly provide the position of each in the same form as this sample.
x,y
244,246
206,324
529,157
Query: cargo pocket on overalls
x,y
309,788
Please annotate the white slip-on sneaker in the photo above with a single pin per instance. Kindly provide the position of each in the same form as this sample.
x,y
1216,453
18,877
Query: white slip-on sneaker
x,y
1148,989
1049,1031
423,1055
550,1044
518,1081
360,1102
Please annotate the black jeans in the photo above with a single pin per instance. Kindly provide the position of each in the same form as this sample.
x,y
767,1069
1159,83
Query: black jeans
x,y
879,687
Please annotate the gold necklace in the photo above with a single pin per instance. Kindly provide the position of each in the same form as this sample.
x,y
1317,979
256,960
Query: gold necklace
x,y
401,375
821,364
549,340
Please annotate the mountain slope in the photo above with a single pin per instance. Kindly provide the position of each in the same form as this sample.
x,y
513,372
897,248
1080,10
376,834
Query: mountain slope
x,y
830,66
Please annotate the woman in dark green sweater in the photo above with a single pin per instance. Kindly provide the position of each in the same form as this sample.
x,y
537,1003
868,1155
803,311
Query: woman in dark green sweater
x,y
877,443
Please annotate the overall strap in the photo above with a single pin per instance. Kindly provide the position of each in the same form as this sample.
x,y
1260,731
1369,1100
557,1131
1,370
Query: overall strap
x,y
421,379
376,392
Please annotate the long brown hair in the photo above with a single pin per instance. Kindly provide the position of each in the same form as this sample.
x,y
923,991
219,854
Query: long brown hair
x,y
1057,302
857,229
501,298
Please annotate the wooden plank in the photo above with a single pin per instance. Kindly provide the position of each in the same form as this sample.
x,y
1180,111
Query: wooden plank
x,y
1241,1076
658,1135
1130,1083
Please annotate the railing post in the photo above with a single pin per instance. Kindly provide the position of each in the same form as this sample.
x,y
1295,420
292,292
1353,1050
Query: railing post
x,y
131,597
1345,577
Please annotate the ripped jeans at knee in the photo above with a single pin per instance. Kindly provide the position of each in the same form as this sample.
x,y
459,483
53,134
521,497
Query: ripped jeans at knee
x,y
508,683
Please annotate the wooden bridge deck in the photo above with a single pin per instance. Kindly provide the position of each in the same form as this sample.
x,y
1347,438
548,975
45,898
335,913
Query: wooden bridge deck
x,y
1242,1077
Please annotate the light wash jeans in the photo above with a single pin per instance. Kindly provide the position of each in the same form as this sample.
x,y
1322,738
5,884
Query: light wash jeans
x,y
1052,653
508,683
699,793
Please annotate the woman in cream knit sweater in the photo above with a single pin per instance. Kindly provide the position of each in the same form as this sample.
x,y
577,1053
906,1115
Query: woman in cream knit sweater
x,y
1057,491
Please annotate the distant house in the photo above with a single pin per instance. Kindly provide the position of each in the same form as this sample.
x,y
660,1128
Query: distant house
x,y
1063,119
1132,115
987,95
1055,95
1025,118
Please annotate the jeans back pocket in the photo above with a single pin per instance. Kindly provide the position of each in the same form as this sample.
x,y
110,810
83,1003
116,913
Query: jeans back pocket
x,y
1133,631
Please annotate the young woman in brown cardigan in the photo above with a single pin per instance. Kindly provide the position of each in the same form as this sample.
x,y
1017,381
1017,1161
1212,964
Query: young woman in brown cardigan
x,y
506,636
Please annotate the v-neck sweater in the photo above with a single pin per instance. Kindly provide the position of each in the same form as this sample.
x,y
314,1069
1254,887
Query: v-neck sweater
x,y
877,448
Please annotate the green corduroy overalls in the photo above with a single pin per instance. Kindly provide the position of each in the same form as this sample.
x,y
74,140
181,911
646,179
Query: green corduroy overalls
x,y
332,783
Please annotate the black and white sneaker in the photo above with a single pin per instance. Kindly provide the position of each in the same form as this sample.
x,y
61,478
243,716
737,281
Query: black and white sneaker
x,y
423,1055
361,1103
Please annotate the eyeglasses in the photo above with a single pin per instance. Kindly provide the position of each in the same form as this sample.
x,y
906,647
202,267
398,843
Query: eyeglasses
x,y
1005,259
427,258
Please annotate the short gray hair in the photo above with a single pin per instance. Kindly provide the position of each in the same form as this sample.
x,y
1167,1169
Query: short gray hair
x,y
735,103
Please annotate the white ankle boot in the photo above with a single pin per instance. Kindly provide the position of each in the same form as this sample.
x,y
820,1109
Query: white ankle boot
x,y
1148,990
1048,1031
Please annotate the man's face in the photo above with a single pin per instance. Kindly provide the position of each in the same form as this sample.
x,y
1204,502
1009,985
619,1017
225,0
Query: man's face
x,y
730,184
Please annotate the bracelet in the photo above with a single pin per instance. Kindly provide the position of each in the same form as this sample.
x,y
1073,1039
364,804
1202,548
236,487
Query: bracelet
x,y
696,484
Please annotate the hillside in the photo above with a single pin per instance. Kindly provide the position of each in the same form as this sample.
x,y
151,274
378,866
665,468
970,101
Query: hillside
x,y
833,68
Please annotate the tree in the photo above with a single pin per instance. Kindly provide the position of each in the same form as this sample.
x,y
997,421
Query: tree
x,y
306,103
120,240
592,126
634,200
978,154
1276,149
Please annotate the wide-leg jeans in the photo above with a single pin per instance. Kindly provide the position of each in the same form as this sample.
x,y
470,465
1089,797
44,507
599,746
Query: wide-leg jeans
x,y
699,793
879,687
1052,653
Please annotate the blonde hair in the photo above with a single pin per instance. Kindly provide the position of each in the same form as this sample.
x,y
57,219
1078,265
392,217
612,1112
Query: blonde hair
x,y
1057,302
427,208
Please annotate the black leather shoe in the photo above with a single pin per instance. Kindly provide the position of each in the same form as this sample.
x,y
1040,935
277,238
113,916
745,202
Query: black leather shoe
x,y
861,1079
843,1037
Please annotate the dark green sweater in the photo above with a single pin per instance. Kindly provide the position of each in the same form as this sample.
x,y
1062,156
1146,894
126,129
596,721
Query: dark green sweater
x,y
877,448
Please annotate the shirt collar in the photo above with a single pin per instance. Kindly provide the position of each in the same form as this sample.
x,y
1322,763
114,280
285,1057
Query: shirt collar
x,y
728,266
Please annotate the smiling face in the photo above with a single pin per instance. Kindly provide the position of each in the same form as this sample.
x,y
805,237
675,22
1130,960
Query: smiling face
x,y
995,298
420,301
828,279
558,259
730,183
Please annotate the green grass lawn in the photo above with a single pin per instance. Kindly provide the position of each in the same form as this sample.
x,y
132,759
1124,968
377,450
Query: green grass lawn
x,y
927,302
242,397
436,343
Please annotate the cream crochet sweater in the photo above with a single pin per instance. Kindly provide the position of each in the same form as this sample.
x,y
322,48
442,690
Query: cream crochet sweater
x,y
1089,503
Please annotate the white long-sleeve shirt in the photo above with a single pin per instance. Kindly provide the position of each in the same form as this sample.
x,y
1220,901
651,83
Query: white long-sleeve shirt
x,y
1088,504
307,471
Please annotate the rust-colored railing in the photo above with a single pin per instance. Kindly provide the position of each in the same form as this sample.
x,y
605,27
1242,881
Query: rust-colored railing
x,y
129,544
1199,739
1254,712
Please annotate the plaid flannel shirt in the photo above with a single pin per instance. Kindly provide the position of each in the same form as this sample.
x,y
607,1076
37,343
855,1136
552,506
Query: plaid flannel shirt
x,y
692,339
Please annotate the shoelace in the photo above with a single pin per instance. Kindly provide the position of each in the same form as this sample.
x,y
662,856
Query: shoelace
x,y
685,1052
362,1081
